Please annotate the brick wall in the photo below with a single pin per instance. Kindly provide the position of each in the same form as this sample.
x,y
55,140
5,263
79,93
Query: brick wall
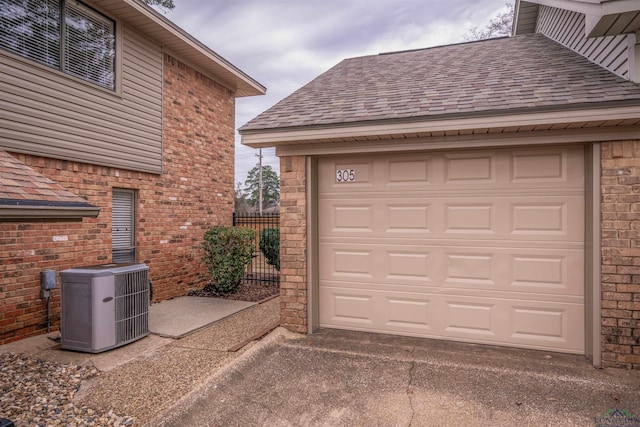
x,y
194,192
293,243
621,254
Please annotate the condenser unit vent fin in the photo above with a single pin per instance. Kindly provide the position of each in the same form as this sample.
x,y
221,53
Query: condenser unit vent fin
x,y
132,305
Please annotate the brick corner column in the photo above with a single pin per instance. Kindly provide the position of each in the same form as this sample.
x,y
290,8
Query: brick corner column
x,y
293,243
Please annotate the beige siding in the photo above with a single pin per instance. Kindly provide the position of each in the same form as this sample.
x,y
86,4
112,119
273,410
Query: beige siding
x,y
45,112
568,28
527,17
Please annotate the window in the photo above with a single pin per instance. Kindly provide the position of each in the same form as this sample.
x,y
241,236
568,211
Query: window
x,y
62,34
123,242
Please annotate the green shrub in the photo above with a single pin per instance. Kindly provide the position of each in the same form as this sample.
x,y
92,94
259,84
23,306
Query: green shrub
x,y
227,252
270,246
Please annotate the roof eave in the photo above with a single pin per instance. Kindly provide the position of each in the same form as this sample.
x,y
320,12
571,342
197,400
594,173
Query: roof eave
x,y
13,213
274,137
175,39
599,15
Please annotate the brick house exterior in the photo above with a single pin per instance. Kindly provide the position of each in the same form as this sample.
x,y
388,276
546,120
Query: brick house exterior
x,y
621,254
545,88
173,208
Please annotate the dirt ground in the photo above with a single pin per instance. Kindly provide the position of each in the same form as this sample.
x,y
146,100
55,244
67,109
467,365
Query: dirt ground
x,y
248,290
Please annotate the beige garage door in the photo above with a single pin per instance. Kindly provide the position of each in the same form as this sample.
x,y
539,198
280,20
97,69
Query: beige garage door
x,y
478,246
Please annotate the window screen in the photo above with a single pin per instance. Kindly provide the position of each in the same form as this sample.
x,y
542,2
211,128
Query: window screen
x,y
31,28
123,226
89,45
62,34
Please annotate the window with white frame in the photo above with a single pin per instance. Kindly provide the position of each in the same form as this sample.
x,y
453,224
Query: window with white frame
x,y
123,213
62,34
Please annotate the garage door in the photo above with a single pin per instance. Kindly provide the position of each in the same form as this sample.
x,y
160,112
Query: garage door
x,y
477,246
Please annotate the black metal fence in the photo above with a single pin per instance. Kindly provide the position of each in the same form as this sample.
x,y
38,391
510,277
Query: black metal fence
x,y
259,269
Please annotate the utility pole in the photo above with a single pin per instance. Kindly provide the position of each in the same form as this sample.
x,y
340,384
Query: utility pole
x,y
260,184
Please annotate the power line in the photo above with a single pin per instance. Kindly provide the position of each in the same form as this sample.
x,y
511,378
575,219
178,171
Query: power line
x,y
260,182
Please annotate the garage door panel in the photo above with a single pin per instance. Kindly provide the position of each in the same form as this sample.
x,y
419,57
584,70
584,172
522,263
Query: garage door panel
x,y
479,246
508,269
353,263
487,217
471,269
469,319
547,324
408,172
407,217
406,264
365,263
335,179
470,218
340,217
525,323
356,218
561,166
375,310
353,308
554,272
536,167
470,169
408,313
550,219
517,169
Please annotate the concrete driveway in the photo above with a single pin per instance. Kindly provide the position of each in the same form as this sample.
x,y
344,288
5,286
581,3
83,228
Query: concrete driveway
x,y
340,378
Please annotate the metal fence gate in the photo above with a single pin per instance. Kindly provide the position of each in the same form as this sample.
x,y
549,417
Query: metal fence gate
x,y
259,269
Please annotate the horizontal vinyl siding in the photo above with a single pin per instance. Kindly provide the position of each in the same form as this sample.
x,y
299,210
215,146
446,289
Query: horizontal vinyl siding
x,y
527,17
568,28
44,112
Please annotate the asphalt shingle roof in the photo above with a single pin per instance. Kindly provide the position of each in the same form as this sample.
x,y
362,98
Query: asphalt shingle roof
x,y
522,72
21,185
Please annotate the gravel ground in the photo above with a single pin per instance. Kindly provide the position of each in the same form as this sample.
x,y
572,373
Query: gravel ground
x,y
34,392
38,392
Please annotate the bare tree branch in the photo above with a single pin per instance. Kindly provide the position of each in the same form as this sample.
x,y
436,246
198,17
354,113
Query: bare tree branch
x,y
499,26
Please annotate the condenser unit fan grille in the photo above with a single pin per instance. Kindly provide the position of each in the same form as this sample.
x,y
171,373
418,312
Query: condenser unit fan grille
x,y
132,305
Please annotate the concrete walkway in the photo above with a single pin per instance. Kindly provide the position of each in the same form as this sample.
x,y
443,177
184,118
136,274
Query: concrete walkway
x,y
222,375
179,317
339,378
147,377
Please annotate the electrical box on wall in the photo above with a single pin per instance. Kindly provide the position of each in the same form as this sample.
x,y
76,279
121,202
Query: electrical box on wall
x,y
47,280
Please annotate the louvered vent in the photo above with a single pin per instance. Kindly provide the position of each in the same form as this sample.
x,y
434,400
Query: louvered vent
x,y
123,228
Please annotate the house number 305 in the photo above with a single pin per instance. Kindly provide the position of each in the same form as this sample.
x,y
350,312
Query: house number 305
x,y
345,175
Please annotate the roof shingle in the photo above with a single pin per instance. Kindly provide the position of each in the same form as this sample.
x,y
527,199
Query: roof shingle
x,y
522,72
21,185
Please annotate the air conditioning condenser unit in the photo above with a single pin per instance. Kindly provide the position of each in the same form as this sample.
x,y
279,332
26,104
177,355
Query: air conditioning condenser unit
x,y
104,306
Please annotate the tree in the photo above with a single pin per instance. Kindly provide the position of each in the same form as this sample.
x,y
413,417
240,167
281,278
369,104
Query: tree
x,y
270,186
241,203
500,26
165,5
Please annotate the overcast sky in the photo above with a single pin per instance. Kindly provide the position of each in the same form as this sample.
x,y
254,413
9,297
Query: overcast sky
x,y
284,44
